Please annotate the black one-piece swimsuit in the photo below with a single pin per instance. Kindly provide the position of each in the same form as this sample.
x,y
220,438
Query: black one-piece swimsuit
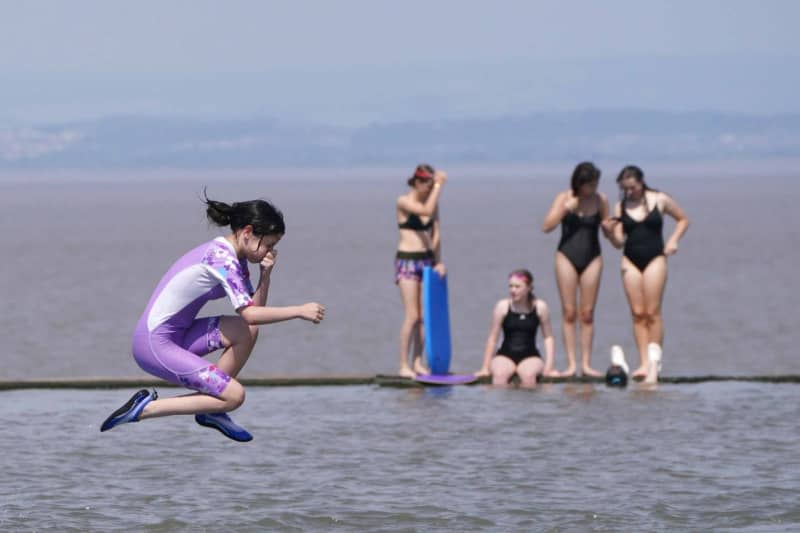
x,y
579,242
644,241
519,335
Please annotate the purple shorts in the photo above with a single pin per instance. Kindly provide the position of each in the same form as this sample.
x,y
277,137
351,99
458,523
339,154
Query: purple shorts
x,y
175,354
409,265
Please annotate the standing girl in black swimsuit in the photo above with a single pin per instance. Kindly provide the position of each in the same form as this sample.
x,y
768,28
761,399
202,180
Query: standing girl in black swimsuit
x,y
420,245
519,316
638,226
579,210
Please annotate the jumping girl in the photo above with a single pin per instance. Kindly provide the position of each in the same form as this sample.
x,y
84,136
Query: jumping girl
x,y
638,226
420,245
169,340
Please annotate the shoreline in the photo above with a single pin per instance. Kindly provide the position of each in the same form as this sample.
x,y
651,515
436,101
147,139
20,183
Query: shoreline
x,y
717,168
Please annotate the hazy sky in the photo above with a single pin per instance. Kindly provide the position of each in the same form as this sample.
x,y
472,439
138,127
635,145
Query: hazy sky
x,y
357,60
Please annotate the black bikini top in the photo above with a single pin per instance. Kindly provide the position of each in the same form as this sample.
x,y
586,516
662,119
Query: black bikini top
x,y
415,223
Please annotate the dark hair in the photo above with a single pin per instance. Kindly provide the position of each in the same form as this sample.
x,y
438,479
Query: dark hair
x,y
632,171
265,218
528,277
422,170
584,173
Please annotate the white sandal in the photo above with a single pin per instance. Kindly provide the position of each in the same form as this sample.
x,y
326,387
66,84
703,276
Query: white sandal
x,y
618,358
654,353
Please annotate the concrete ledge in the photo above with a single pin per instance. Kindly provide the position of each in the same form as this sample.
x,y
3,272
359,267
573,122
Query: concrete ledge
x,y
125,383
383,380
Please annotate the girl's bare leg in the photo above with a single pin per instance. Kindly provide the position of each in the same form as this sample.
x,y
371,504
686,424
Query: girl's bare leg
x,y
418,346
189,404
409,293
632,281
589,285
655,280
567,280
502,369
528,369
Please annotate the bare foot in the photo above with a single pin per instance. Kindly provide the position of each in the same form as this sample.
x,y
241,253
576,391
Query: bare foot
x,y
654,363
589,371
640,373
568,372
652,373
406,372
419,368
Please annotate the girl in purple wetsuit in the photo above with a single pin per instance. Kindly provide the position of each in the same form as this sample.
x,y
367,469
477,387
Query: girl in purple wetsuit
x,y
170,340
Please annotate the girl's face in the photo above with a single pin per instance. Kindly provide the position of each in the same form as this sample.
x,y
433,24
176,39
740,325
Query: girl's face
x,y
588,189
255,247
631,188
423,186
518,288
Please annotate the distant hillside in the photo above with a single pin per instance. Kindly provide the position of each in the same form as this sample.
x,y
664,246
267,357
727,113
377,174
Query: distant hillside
x,y
137,142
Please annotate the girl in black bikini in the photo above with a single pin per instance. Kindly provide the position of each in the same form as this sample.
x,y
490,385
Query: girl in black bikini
x,y
579,210
637,225
419,246
519,316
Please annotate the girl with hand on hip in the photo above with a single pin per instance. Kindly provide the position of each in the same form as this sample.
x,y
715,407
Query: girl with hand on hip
x,y
637,227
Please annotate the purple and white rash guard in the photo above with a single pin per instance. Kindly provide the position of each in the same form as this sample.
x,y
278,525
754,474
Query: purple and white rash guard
x,y
169,338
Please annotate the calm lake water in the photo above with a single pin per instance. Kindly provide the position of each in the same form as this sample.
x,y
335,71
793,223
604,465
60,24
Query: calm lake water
x,y
83,253
714,456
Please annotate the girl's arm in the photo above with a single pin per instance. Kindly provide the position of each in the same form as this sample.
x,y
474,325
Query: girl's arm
x,y
612,228
500,309
436,237
262,290
563,203
549,342
604,215
411,205
672,208
257,315
436,244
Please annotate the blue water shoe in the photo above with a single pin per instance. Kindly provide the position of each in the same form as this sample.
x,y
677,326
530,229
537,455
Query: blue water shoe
x,y
131,411
225,425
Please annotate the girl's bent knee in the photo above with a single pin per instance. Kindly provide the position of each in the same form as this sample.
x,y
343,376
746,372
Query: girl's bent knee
x,y
233,395
412,321
501,379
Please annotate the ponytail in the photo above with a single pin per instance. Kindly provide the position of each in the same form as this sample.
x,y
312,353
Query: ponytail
x,y
265,218
218,213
